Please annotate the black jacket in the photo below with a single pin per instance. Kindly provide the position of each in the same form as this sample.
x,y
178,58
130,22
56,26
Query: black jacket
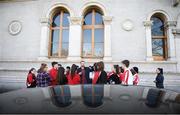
x,y
113,78
102,78
159,81
87,71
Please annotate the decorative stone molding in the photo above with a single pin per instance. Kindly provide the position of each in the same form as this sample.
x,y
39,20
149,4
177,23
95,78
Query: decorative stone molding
x,y
107,19
45,21
75,20
15,27
128,25
171,24
176,31
147,23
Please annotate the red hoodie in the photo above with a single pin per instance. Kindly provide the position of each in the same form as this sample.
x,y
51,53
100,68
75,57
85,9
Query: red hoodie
x,y
73,81
53,75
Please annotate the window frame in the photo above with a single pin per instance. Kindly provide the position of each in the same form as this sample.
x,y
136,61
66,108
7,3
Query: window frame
x,y
60,28
92,27
164,38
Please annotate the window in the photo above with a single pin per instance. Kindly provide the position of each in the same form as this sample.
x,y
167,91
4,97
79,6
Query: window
x,y
93,34
59,41
159,38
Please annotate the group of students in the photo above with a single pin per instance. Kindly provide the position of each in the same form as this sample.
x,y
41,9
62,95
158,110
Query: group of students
x,y
73,75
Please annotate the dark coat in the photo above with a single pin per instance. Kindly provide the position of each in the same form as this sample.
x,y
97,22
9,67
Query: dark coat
x,y
102,78
159,81
113,78
87,71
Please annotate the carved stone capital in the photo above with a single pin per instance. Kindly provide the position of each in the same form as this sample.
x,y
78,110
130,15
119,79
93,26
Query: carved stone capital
x,y
107,19
147,23
75,20
45,21
171,24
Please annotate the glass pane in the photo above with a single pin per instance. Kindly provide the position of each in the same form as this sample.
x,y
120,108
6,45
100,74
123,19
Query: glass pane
x,y
65,19
87,49
99,35
157,28
55,36
99,50
54,49
65,36
87,36
98,19
64,51
88,19
157,47
56,20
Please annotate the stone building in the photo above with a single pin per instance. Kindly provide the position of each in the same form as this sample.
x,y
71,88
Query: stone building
x,y
146,32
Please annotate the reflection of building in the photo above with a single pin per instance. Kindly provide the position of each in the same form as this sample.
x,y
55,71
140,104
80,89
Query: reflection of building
x,y
38,31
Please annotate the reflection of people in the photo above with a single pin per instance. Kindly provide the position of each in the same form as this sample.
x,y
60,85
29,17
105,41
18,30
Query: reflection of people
x,y
73,77
61,77
93,95
31,78
159,78
61,95
84,73
43,78
53,73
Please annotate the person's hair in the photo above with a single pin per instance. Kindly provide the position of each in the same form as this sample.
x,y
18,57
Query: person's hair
x,y
101,65
126,63
54,63
59,65
161,70
68,67
133,71
73,70
31,70
43,66
121,69
82,61
136,69
60,75
116,67
95,67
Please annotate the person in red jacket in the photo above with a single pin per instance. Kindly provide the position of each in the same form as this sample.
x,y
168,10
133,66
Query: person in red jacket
x,y
31,78
136,76
73,77
53,73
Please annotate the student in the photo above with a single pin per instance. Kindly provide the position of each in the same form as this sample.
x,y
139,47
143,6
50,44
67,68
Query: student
x,y
73,77
67,70
159,78
121,76
84,73
31,78
113,77
43,78
101,76
61,77
53,73
94,70
40,69
136,76
128,77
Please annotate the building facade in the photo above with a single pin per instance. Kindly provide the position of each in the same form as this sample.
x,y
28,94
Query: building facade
x,y
34,31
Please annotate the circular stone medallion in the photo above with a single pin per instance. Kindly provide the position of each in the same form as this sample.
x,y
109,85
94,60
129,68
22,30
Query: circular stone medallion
x,y
128,25
15,27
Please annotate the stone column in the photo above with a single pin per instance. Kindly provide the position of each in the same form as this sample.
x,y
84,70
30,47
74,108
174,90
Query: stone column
x,y
107,38
75,38
170,25
147,25
45,23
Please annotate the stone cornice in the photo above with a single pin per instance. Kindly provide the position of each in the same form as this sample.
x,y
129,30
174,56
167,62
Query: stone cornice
x,y
107,19
147,23
45,21
75,20
170,23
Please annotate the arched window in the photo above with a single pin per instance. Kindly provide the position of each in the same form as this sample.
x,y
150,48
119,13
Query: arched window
x,y
59,41
159,37
93,34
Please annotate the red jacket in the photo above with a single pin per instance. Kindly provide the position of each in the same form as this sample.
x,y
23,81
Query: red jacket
x,y
73,81
136,79
53,75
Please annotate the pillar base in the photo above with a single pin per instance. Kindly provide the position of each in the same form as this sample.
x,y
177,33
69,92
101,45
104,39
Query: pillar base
x,y
42,58
74,58
107,58
149,59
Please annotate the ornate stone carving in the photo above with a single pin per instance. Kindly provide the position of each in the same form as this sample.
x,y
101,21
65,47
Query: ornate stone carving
x,y
107,19
147,23
45,21
170,23
127,25
15,27
75,20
